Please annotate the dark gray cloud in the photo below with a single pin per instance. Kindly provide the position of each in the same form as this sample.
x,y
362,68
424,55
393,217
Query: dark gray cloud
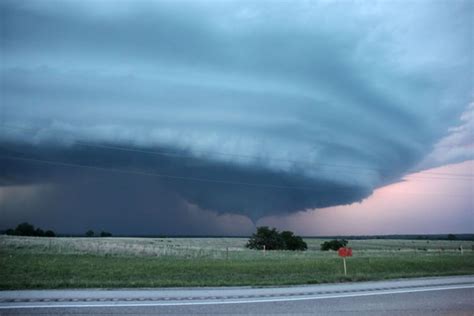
x,y
227,188
270,107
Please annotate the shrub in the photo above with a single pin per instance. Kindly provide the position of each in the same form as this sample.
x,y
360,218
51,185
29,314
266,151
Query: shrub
x,y
334,244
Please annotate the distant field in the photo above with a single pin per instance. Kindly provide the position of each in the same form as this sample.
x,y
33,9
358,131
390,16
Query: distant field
x,y
38,262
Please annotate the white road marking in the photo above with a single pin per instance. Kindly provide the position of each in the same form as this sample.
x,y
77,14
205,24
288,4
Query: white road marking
x,y
256,300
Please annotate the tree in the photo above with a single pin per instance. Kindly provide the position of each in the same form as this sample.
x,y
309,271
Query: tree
x,y
90,233
452,237
270,238
293,242
334,244
105,234
273,240
10,231
25,229
49,233
39,232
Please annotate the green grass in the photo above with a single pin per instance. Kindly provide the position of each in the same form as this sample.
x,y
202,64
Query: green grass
x,y
132,262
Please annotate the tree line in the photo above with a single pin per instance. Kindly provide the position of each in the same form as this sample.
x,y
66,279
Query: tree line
x,y
27,229
90,233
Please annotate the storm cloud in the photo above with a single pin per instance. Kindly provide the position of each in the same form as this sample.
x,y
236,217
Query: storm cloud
x,y
242,107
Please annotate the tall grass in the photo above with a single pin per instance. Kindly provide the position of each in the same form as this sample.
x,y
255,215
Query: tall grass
x,y
216,248
38,262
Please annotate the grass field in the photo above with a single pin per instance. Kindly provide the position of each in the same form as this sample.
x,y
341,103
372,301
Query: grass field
x,y
32,262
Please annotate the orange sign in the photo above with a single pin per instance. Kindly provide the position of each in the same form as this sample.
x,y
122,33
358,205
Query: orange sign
x,y
345,252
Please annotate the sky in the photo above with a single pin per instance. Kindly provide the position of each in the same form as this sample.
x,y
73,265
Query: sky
x,y
212,117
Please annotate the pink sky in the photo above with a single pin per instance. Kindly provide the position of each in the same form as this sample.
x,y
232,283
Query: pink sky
x,y
428,202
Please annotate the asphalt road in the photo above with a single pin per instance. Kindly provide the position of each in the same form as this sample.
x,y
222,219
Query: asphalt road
x,y
427,296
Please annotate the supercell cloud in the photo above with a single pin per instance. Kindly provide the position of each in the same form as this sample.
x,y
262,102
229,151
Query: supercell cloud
x,y
243,107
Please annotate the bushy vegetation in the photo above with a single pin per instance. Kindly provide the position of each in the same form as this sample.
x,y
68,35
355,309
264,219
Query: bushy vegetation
x,y
293,242
334,244
26,229
271,239
91,233
452,237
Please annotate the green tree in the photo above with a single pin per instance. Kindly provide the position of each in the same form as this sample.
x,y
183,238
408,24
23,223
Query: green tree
x,y
105,234
90,233
10,231
334,244
293,242
25,229
49,233
270,238
39,232
273,240
452,237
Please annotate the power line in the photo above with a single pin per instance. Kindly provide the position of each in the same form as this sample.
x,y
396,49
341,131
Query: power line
x,y
177,155
184,156
440,175
67,164
198,179
120,148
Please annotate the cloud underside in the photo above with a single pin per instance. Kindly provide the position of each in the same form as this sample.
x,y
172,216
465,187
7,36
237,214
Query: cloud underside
x,y
267,107
253,192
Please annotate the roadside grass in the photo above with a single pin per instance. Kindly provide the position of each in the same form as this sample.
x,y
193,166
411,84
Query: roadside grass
x,y
27,263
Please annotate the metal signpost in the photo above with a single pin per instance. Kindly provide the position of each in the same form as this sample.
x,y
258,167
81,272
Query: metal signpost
x,y
345,252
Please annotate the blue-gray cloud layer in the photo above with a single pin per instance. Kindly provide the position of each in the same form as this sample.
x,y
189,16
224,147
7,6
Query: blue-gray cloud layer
x,y
273,93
